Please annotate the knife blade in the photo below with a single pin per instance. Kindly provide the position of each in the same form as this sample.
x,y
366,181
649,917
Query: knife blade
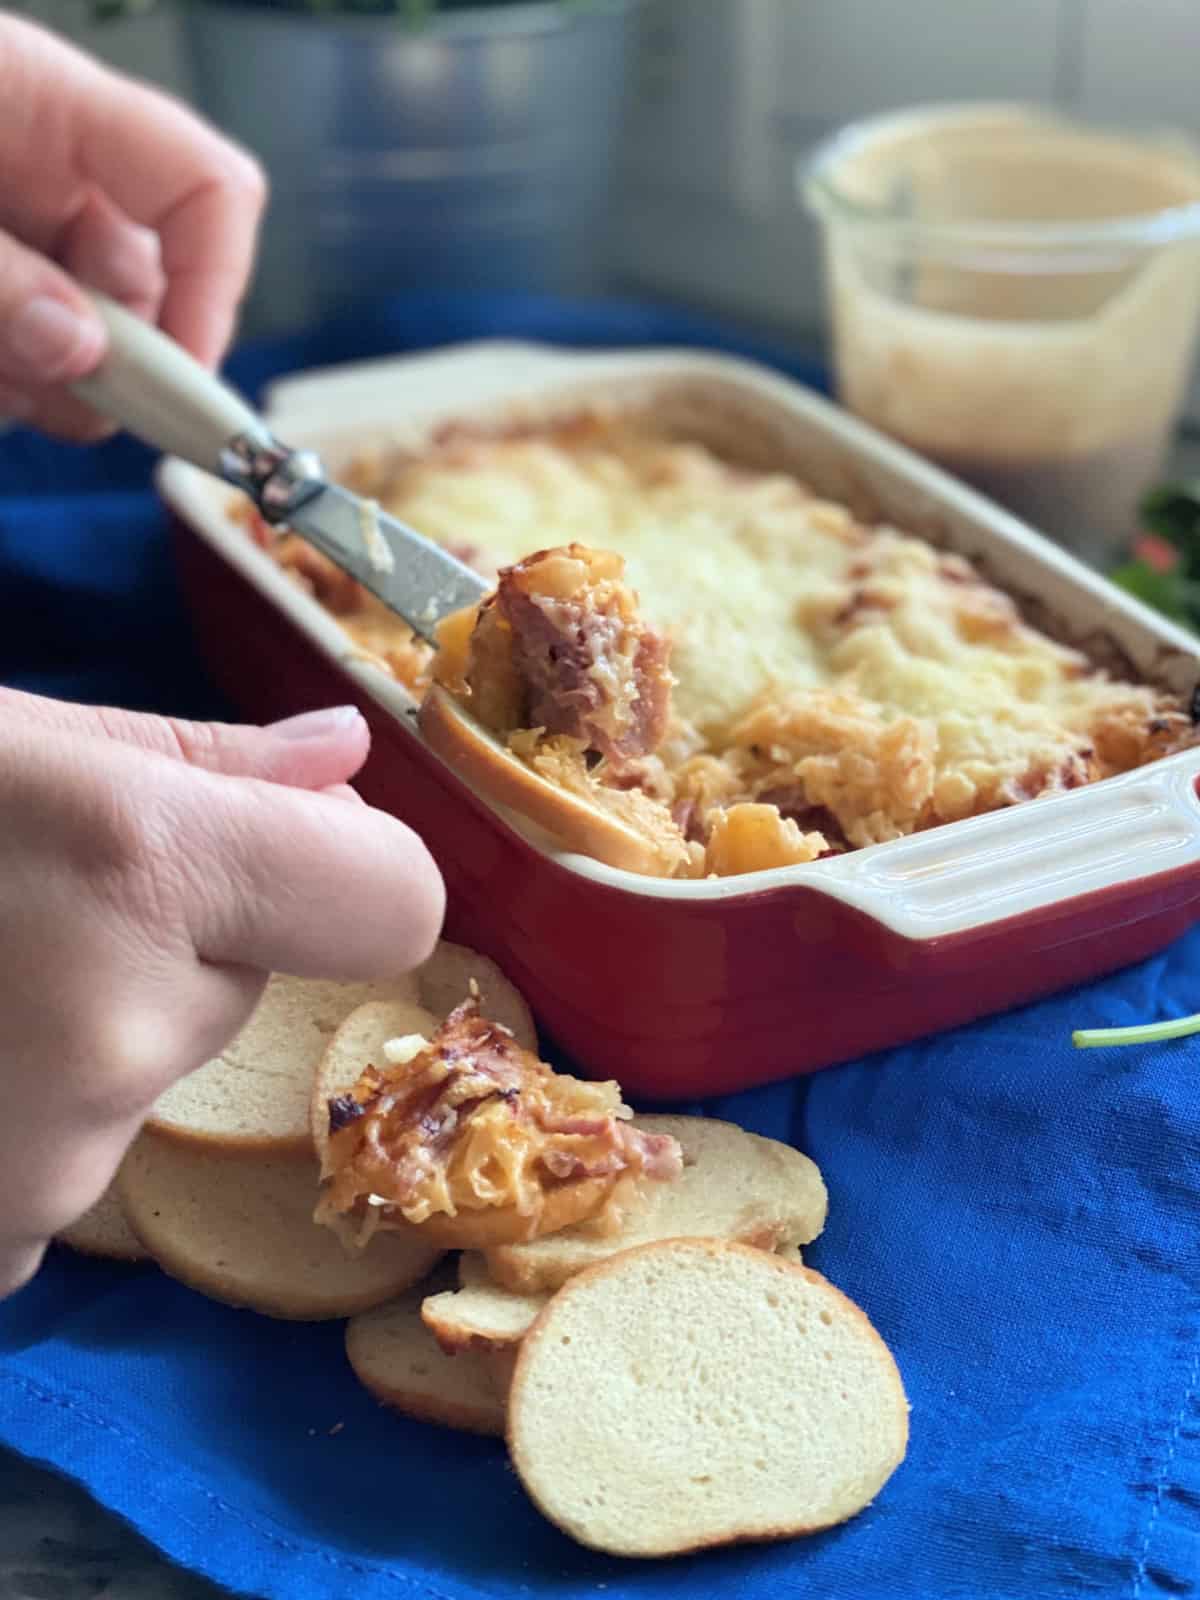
x,y
420,582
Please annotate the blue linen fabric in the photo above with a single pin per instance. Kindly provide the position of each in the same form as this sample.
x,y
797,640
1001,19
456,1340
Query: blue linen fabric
x,y
1019,1219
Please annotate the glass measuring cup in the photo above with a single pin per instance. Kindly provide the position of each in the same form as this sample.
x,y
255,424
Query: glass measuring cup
x,y
1017,297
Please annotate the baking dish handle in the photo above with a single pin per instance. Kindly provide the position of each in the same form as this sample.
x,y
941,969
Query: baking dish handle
x,y
1030,857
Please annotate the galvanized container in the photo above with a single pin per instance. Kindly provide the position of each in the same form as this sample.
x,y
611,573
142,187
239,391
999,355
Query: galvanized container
x,y
476,152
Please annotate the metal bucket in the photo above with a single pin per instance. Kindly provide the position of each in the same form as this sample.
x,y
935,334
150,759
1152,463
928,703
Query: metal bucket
x,y
476,152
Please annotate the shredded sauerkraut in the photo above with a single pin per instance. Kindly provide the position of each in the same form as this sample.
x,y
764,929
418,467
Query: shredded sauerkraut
x,y
853,680
472,1121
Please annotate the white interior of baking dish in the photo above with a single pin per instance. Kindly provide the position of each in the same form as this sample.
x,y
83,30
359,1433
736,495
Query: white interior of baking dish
x,y
942,881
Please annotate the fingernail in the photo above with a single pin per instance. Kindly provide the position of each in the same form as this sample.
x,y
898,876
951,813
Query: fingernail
x,y
50,341
317,724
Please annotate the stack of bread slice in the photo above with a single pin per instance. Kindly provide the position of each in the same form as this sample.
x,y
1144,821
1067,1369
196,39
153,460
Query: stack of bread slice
x,y
220,1185
673,1380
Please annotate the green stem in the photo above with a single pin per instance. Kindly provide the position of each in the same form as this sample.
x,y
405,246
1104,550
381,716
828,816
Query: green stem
x,y
1143,1033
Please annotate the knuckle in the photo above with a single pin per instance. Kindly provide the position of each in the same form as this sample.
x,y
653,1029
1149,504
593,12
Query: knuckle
x,y
147,281
135,1046
144,871
193,742
247,178
212,1027
146,245
112,1046
198,873
168,871
114,724
110,833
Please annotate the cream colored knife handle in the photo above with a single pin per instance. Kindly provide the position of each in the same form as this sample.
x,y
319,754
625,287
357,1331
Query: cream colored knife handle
x,y
151,386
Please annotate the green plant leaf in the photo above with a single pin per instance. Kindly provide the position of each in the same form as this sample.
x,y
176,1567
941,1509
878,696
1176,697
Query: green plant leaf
x,y
1168,592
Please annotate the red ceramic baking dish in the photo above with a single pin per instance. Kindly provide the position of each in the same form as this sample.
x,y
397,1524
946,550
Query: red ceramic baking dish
x,y
689,988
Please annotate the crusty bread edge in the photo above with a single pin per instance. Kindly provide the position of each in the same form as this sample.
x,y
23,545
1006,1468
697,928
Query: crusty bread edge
x,y
478,966
509,1269
456,1338
423,1408
294,1309
498,1226
570,1203
139,1257
453,1337
514,1275
501,779
249,1146
318,1099
527,1352
75,1237
527,1037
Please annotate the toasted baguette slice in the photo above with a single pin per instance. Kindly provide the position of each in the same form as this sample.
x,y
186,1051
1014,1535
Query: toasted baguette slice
x,y
396,1357
696,1392
559,1202
360,1041
103,1231
254,1096
492,770
446,980
357,1042
242,1232
479,1314
501,1365
734,1185
479,1230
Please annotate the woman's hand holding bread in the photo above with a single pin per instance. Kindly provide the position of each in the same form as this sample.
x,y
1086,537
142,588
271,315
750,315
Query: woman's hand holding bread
x,y
152,873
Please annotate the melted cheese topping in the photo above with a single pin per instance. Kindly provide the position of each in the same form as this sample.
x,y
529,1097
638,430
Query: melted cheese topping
x,y
862,681
717,563
471,1121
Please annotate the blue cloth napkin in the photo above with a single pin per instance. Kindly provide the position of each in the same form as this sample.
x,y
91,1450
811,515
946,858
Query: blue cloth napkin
x,y
1019,1219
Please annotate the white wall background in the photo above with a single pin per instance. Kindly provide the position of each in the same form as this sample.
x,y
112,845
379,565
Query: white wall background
x,y
148,46
732,92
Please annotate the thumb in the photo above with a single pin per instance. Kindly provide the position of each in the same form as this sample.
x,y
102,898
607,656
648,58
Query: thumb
x,y
49,332
49,336
303,883
317,750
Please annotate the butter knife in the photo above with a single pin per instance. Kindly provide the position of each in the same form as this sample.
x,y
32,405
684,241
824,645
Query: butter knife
x,y
150,386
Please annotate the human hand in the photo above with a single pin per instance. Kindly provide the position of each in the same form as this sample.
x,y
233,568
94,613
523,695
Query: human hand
x,y
152,873
129,193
